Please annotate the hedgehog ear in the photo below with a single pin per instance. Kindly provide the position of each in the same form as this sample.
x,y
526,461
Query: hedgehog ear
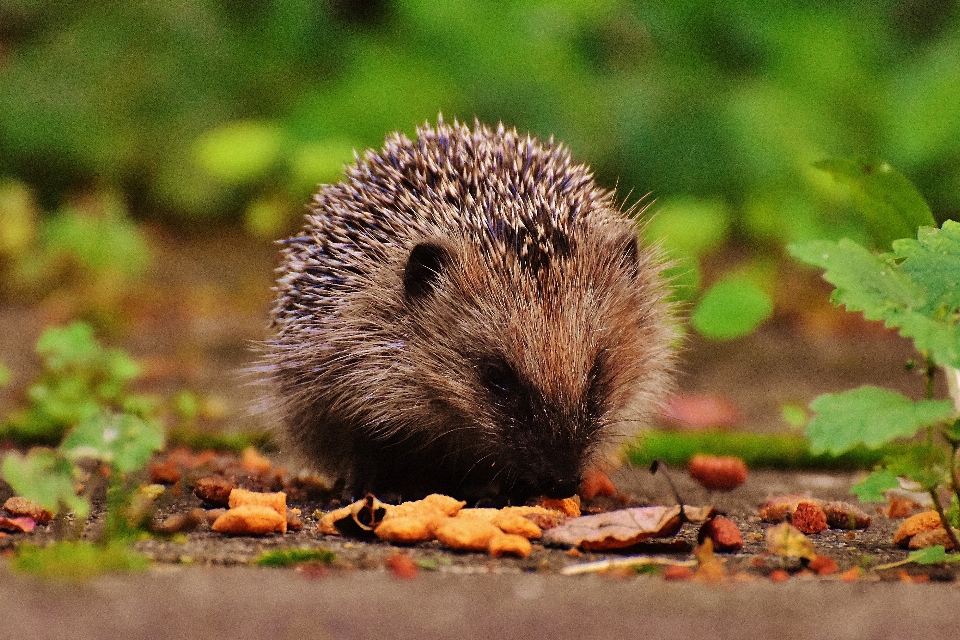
x,y
426,262
628,250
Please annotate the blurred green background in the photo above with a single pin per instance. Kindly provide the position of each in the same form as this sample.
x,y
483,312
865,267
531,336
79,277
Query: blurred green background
x,y
202,112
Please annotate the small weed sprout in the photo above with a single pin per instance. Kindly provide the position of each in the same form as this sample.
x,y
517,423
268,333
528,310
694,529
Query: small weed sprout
x,y
104,434
914,288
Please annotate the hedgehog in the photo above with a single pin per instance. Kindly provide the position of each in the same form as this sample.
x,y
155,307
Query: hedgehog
x,y
467,313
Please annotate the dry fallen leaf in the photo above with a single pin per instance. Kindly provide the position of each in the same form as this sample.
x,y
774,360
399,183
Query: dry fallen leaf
x,y
19,506
786,540
616,529
23,524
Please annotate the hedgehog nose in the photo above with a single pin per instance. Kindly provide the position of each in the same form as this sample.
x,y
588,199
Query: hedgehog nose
x,y
561,488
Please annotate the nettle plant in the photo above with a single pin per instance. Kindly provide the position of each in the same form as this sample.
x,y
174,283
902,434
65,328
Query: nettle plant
x,y
914,288
105,434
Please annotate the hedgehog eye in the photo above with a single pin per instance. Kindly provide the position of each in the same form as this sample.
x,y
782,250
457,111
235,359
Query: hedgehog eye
x,y
499,378
426,262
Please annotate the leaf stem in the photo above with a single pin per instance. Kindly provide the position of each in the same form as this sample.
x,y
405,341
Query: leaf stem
x,y
943,519
954,476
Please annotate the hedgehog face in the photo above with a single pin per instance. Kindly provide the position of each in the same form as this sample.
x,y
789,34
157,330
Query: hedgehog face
x,y
535,370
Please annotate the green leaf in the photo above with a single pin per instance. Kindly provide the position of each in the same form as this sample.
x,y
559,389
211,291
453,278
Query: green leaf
x,y
915,289
239,152
731,308
927,465
871,416
890,204
76,561
123,441
864,281
69,346
46,478
689,227
873,487
5,375
933,259
102,240
932,555
290,557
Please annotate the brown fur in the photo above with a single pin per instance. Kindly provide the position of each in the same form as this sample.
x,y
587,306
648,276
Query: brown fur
x,y
467,313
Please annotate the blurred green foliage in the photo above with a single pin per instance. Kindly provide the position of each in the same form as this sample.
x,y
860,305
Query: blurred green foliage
x,y
81,381
208,111
198,108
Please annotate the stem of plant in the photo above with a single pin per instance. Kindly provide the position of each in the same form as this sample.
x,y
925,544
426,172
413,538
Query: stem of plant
x,y
943,519
954,477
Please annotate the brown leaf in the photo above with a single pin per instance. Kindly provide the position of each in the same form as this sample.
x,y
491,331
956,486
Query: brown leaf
x,y
786,540
24,524
19,506
616,529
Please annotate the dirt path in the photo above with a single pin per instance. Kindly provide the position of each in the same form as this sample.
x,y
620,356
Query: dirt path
x,y
240,603
222,307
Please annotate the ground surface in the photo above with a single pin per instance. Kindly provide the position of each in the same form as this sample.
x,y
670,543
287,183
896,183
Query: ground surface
x,y
207,303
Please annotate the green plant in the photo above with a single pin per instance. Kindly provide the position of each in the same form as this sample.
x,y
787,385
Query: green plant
x,y
758,450
79,380
915,288
105,434
291,557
